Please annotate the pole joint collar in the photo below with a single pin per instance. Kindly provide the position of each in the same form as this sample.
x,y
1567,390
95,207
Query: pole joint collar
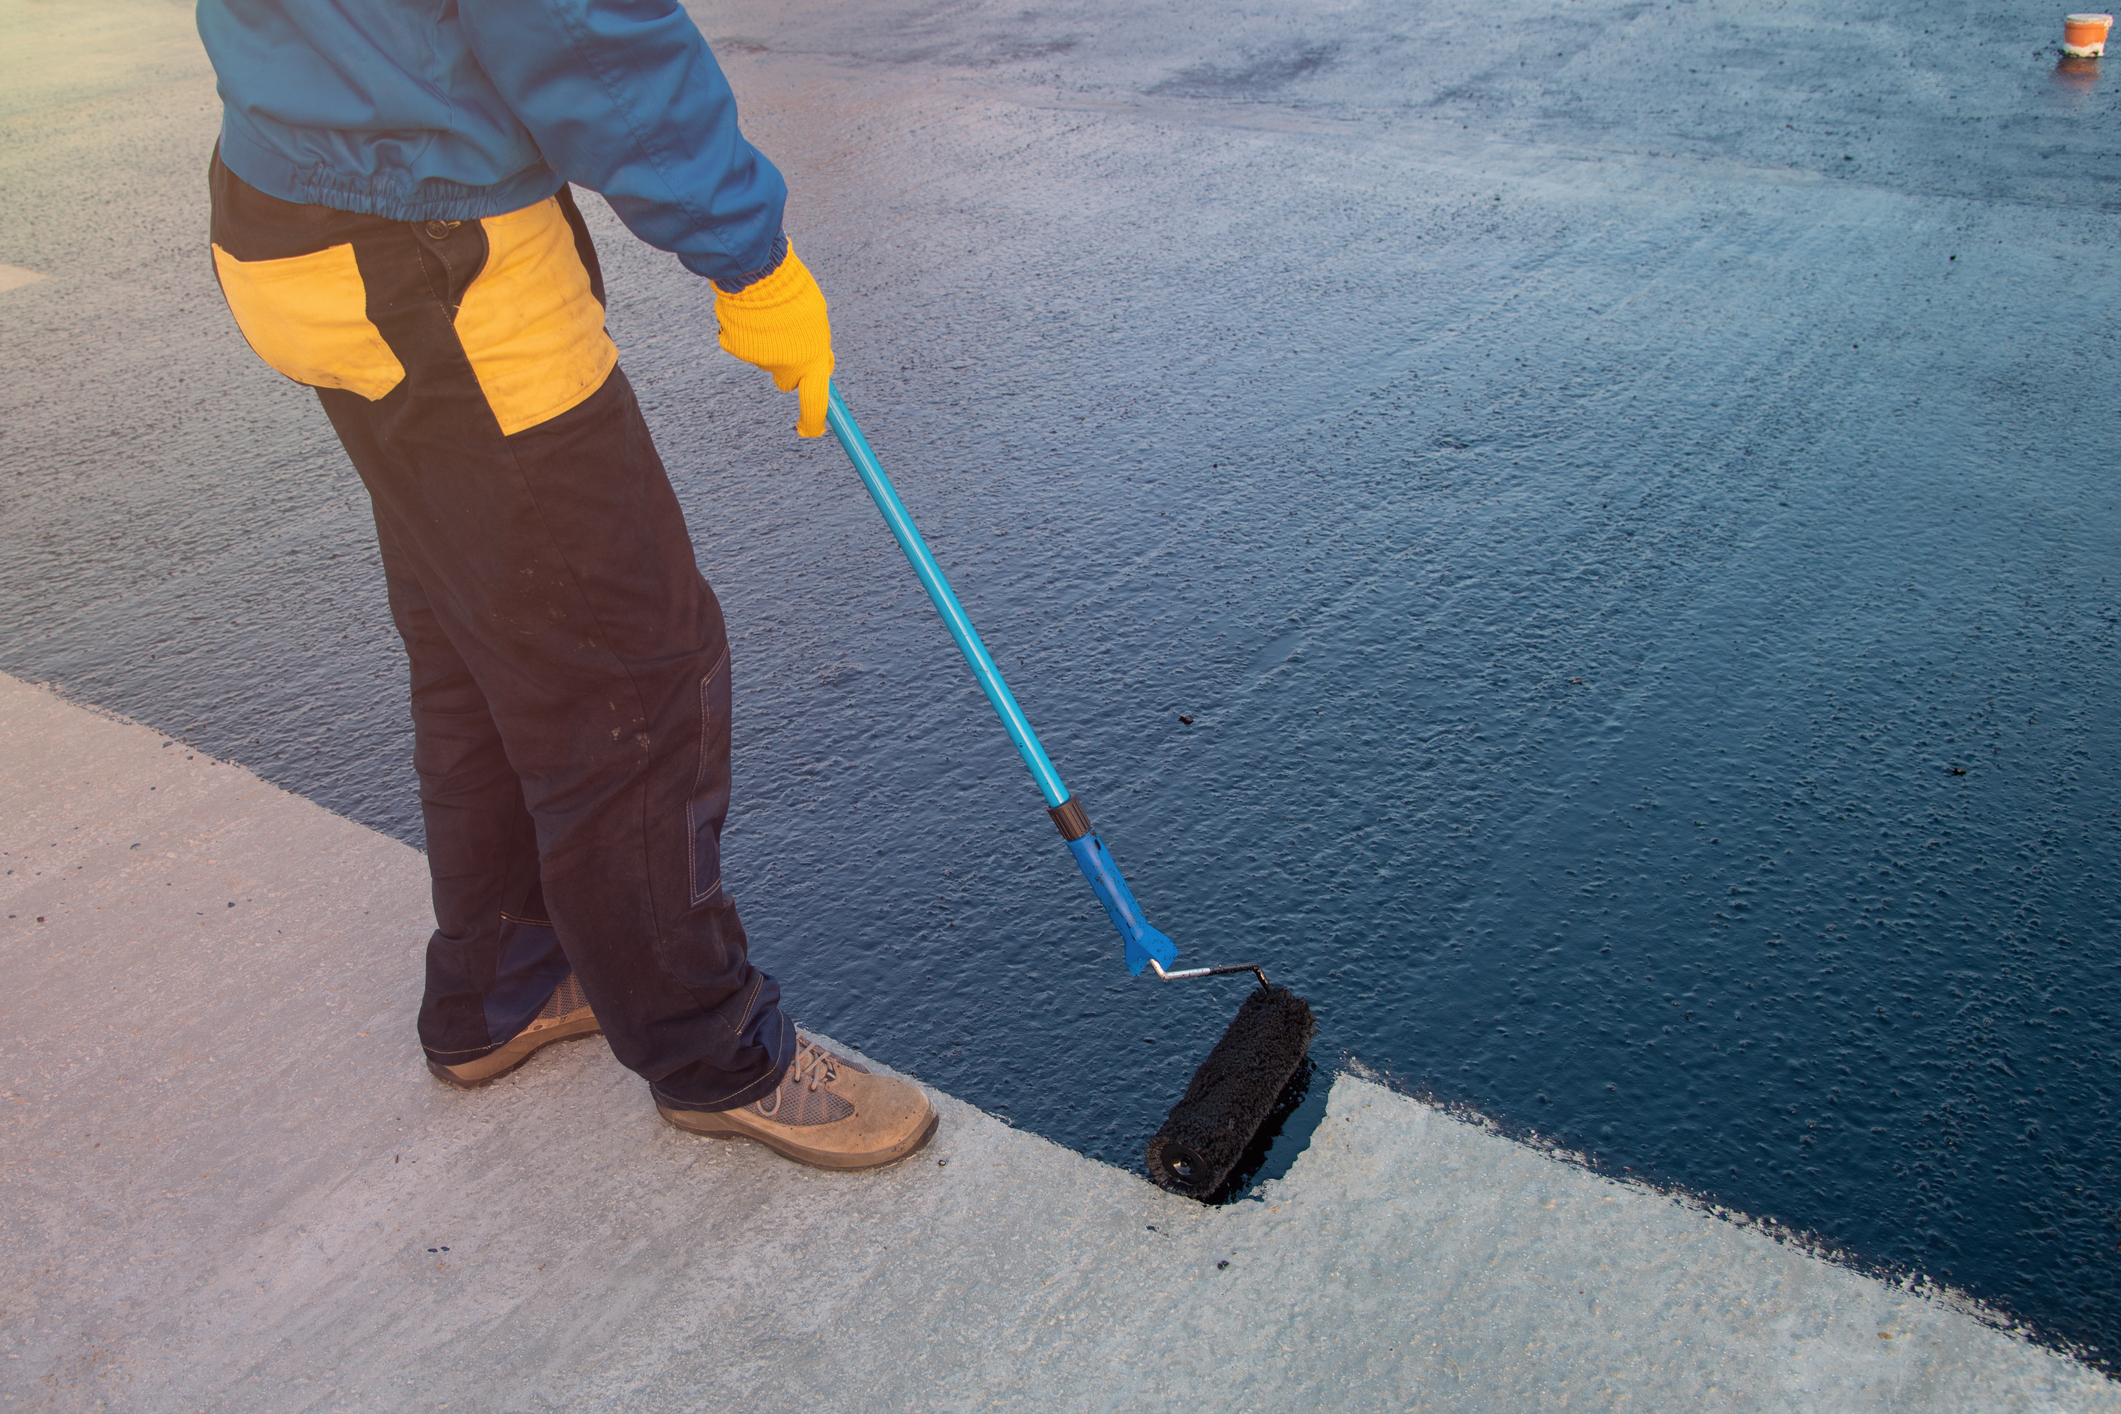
x,y
1070,819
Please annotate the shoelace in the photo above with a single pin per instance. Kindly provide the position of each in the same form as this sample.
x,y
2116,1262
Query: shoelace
x,y
813,1064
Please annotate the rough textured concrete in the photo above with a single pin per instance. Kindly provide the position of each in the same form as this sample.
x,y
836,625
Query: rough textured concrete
x,y
229,1185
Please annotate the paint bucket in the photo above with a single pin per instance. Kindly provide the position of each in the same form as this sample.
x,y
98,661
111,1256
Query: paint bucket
x,y
2085,35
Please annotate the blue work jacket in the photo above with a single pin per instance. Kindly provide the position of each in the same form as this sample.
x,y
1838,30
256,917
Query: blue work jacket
x,y
457,109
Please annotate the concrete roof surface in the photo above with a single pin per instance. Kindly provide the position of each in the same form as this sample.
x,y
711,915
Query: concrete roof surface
x,y
229,1184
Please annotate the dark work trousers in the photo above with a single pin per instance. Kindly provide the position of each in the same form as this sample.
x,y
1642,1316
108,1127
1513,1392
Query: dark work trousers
x,y
570,671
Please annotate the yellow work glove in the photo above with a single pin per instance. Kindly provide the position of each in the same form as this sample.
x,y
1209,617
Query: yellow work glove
x,y
779,325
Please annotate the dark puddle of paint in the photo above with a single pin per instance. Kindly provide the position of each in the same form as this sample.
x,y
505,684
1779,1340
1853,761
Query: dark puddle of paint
x,y
1284,1136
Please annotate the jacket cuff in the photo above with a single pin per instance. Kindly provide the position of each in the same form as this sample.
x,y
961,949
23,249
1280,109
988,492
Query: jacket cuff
x,y
731,284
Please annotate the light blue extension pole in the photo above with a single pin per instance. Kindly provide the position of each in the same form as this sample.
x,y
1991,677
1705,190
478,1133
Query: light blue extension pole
x,y
1145,946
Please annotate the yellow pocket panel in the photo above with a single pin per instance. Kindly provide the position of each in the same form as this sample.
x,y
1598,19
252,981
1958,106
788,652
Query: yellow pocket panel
x,y
307,316
530,325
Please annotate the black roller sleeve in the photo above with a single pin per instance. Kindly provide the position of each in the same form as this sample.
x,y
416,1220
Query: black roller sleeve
x,y
1232,1093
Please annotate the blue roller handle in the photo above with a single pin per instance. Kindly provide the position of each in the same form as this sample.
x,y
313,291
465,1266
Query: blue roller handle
x,y
1143,941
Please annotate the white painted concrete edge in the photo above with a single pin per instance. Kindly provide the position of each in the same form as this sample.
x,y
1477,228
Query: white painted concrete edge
x,y
228,1184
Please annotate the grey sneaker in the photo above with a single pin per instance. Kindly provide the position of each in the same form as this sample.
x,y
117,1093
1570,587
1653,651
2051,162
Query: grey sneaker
x,y
828,1112
564,1017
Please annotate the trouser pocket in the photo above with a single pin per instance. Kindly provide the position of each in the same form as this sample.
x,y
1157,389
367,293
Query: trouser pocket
x,y
307,317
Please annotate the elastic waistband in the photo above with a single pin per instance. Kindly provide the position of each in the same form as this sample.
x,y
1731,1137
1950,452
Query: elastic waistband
x,y
383,195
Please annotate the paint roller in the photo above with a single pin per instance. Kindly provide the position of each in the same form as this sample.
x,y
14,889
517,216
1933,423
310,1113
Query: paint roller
x,y
1236,1088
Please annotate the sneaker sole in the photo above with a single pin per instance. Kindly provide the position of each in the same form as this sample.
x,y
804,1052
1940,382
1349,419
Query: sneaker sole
x,y
472,1075
817,1158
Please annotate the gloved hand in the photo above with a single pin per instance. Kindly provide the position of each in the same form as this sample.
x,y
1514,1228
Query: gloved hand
x,y
779,325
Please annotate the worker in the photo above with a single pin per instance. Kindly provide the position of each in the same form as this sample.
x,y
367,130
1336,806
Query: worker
x,y
393,225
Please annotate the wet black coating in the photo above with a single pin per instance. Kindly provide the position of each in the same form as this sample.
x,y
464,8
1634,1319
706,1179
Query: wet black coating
x,y
1232,1094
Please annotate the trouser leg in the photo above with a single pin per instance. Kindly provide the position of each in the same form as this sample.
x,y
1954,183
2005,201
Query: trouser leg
x,y
556,566
494,957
